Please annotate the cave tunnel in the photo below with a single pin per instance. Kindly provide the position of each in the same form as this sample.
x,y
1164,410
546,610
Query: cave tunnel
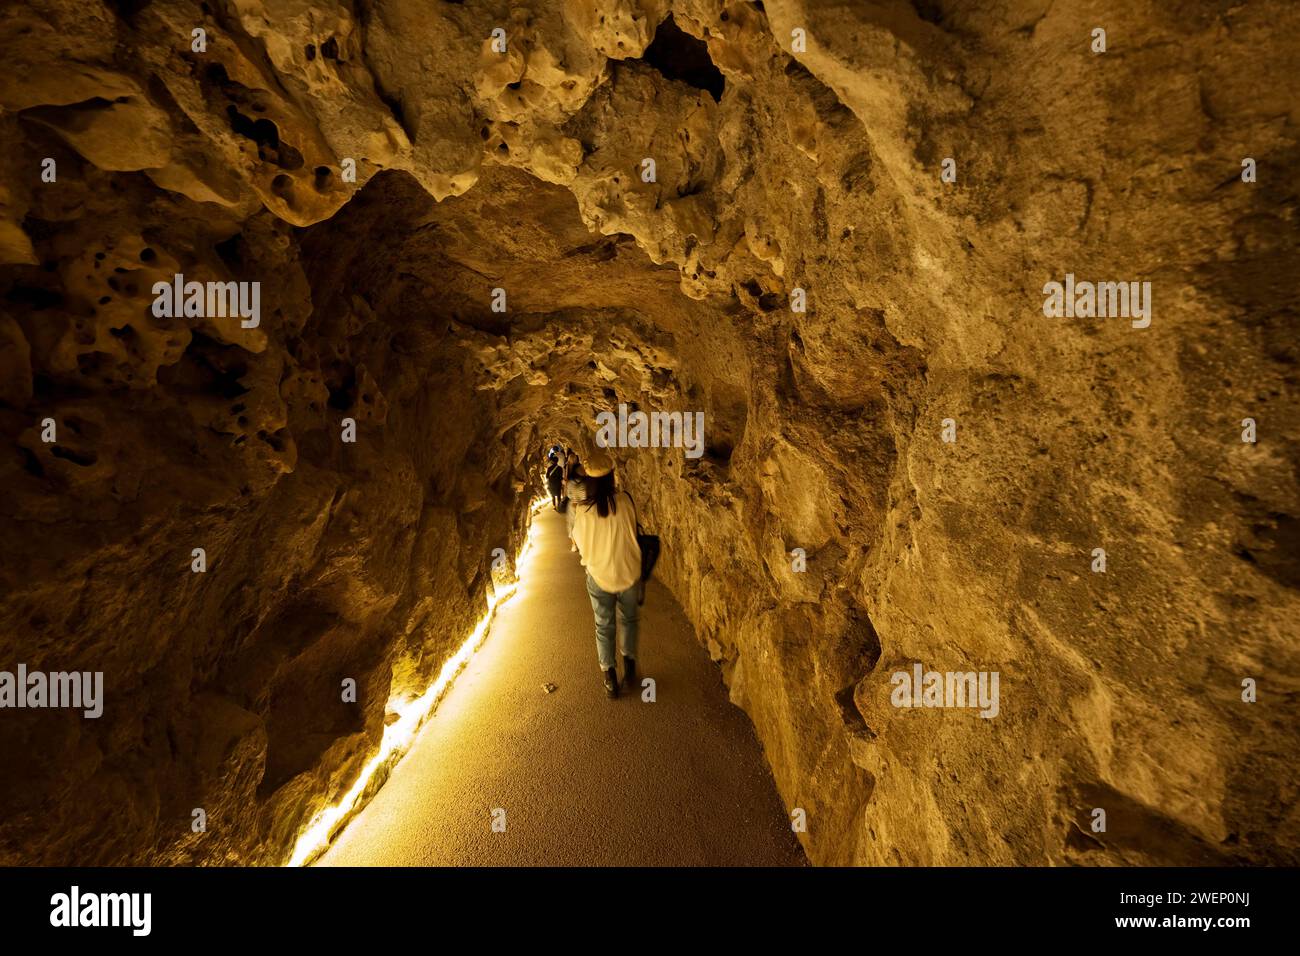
x,y
967,442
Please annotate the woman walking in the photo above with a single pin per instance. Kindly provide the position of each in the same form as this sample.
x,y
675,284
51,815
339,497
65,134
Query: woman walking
x,y
604,531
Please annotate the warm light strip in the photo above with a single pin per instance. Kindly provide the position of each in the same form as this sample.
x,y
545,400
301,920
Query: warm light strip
x,y
412,713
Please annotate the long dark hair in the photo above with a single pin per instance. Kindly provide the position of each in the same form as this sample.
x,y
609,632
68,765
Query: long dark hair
x,y
600,492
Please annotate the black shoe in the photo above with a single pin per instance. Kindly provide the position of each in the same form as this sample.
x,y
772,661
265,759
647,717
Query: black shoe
x,y
611,684
629,672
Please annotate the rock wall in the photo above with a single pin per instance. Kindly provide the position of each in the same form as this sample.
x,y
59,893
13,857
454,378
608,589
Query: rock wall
x,y
798,160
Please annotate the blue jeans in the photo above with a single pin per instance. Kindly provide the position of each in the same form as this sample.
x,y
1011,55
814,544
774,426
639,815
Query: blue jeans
x,y
602,605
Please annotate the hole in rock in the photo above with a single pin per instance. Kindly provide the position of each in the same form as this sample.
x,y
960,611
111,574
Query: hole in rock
x,y
31,464
931,11
207,368
76,457
261,131
679,56
126,9
34,297
342,388
266,135
230,251
394,104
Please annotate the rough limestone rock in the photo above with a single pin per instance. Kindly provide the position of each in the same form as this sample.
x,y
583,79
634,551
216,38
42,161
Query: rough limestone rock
x,y
799,268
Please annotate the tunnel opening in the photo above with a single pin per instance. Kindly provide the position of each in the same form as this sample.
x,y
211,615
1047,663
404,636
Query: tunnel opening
x,y
679,56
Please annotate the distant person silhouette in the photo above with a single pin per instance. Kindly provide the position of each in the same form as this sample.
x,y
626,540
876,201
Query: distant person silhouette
x,y
604,531
554,480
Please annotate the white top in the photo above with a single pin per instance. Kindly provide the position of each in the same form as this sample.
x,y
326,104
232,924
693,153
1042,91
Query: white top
x,y
608,545
575,489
